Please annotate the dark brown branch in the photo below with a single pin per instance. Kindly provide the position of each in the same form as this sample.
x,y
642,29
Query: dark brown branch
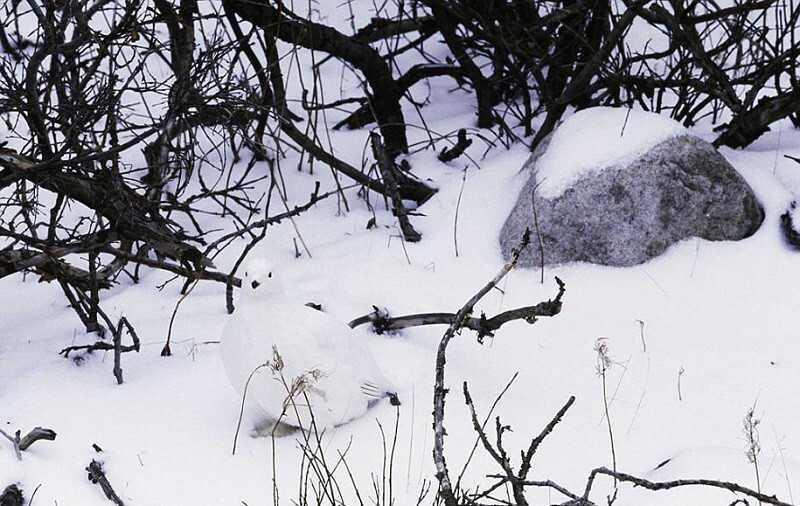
x,y
158,264
363,116
386,95
388,170
579,83
717,14
687,37
98,476
23,443
98,346
382,322
451,153
36,434
117,347
380,28
409,189
484,91
787,227
47,263
130,215
749,125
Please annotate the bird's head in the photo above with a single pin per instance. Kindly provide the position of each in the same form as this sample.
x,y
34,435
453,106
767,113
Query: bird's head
x,y
261,280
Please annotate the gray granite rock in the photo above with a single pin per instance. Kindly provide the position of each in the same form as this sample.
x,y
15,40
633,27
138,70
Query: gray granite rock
x,y
626,215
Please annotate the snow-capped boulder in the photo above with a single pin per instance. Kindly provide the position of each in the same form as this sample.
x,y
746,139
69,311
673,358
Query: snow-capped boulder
x,y
620,195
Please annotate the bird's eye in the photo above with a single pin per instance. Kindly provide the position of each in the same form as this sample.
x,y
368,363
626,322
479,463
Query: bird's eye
x,y
269,275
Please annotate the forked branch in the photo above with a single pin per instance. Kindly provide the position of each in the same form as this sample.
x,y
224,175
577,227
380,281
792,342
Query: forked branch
x,y
446,490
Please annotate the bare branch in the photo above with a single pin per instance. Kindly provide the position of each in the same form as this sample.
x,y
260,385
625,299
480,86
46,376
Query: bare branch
x,y
382,322
98,476
388,170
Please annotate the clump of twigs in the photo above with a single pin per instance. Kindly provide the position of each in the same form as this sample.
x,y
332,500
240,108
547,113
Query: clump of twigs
x,y
750,425
116,345
604,363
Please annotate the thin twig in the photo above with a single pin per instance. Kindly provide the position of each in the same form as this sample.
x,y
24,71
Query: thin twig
x,y
166,351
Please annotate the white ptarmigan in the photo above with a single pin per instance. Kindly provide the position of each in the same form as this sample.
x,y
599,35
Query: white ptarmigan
x,y
302,365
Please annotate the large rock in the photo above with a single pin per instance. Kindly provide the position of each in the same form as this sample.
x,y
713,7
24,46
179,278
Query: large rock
x,y
629,213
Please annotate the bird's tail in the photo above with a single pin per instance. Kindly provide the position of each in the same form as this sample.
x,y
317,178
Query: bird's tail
x,y
376,393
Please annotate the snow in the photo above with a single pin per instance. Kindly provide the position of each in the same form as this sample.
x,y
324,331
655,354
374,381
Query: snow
x,y
597,138
697,336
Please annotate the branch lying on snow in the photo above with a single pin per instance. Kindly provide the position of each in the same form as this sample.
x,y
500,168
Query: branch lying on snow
x,y
583,500
382,322
116,345
98,476
518,481
23,443
99,345
666,485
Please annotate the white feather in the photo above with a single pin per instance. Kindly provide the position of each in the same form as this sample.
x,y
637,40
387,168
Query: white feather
x,y
301,364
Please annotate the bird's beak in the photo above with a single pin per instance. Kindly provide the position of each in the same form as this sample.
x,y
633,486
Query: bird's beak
x,y
255,284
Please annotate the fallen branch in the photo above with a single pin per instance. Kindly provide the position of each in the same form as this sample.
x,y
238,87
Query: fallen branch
x,y
133,217
117,347
658,485
35,435
23,443
98,476
382,322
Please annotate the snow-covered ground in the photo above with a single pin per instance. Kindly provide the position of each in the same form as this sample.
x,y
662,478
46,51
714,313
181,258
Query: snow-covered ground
x,y
698,337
